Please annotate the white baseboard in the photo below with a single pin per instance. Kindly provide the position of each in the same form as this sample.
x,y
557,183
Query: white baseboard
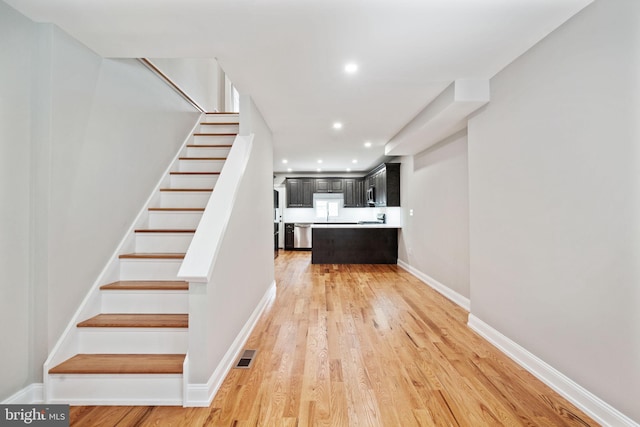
x,y
447,292
202,394
592,405
31,394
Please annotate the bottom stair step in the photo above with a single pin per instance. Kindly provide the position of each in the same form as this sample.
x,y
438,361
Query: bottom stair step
x,y
121,364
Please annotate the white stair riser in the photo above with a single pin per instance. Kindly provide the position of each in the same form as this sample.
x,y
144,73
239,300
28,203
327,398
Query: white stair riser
x,y
134,301
200,165
213,140
163,242
184,199
220,127
149,269
133,340
124,389
221,118
208,151
159,219
193,181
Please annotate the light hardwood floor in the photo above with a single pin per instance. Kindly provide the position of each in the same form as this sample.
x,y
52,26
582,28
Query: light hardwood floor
x,y
362,345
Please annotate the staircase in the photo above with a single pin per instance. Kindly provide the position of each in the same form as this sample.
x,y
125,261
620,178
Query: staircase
x,y
133,351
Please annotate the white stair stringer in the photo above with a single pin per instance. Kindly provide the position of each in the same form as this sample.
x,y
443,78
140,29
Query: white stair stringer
x,y
116,389
158,229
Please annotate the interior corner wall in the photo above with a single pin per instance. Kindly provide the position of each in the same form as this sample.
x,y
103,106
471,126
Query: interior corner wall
x,y
83,142
17,42
435,239
555,202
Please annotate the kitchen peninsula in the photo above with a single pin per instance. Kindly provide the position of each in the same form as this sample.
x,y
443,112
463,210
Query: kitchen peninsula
x,y
354,244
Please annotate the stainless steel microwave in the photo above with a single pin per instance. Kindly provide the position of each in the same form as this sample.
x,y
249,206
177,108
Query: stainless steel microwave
x,y
371,196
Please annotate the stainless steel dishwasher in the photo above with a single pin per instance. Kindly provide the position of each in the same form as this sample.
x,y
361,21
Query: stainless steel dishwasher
x,y
302,236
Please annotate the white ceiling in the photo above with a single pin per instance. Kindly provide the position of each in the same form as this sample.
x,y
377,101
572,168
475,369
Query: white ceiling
x,y
289,55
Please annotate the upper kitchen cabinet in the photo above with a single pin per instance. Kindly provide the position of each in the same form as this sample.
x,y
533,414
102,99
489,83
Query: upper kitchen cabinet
x,y
385,182
299,192
329,185
354,193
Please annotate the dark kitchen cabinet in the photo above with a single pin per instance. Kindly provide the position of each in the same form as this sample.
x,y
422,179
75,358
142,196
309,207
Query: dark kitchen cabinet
x,y
354,246
299,192
385,179
329,185
354,193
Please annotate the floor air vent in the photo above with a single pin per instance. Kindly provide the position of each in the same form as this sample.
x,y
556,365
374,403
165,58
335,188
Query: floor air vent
x,y
246,359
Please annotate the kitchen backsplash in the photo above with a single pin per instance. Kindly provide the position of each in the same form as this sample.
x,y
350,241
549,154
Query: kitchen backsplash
x,y
394,215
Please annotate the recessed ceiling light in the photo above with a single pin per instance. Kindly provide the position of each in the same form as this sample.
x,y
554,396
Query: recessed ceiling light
x,y
337,125
351,68
289,169
367,144
354,161
348,169
285,161
319,160
319,170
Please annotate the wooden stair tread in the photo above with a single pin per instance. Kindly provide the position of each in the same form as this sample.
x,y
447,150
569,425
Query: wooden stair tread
x,y
176,209
202,158
152,255
215,134
121,364
220,124
186,189
194,173
127,320
147,285
165,230
209,145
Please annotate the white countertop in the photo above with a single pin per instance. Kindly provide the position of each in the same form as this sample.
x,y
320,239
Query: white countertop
x,y
329,225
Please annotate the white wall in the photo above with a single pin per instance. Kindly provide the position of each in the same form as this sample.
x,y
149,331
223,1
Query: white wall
x,y
17,42
435,240
200,78
84,142
243,270
555,202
